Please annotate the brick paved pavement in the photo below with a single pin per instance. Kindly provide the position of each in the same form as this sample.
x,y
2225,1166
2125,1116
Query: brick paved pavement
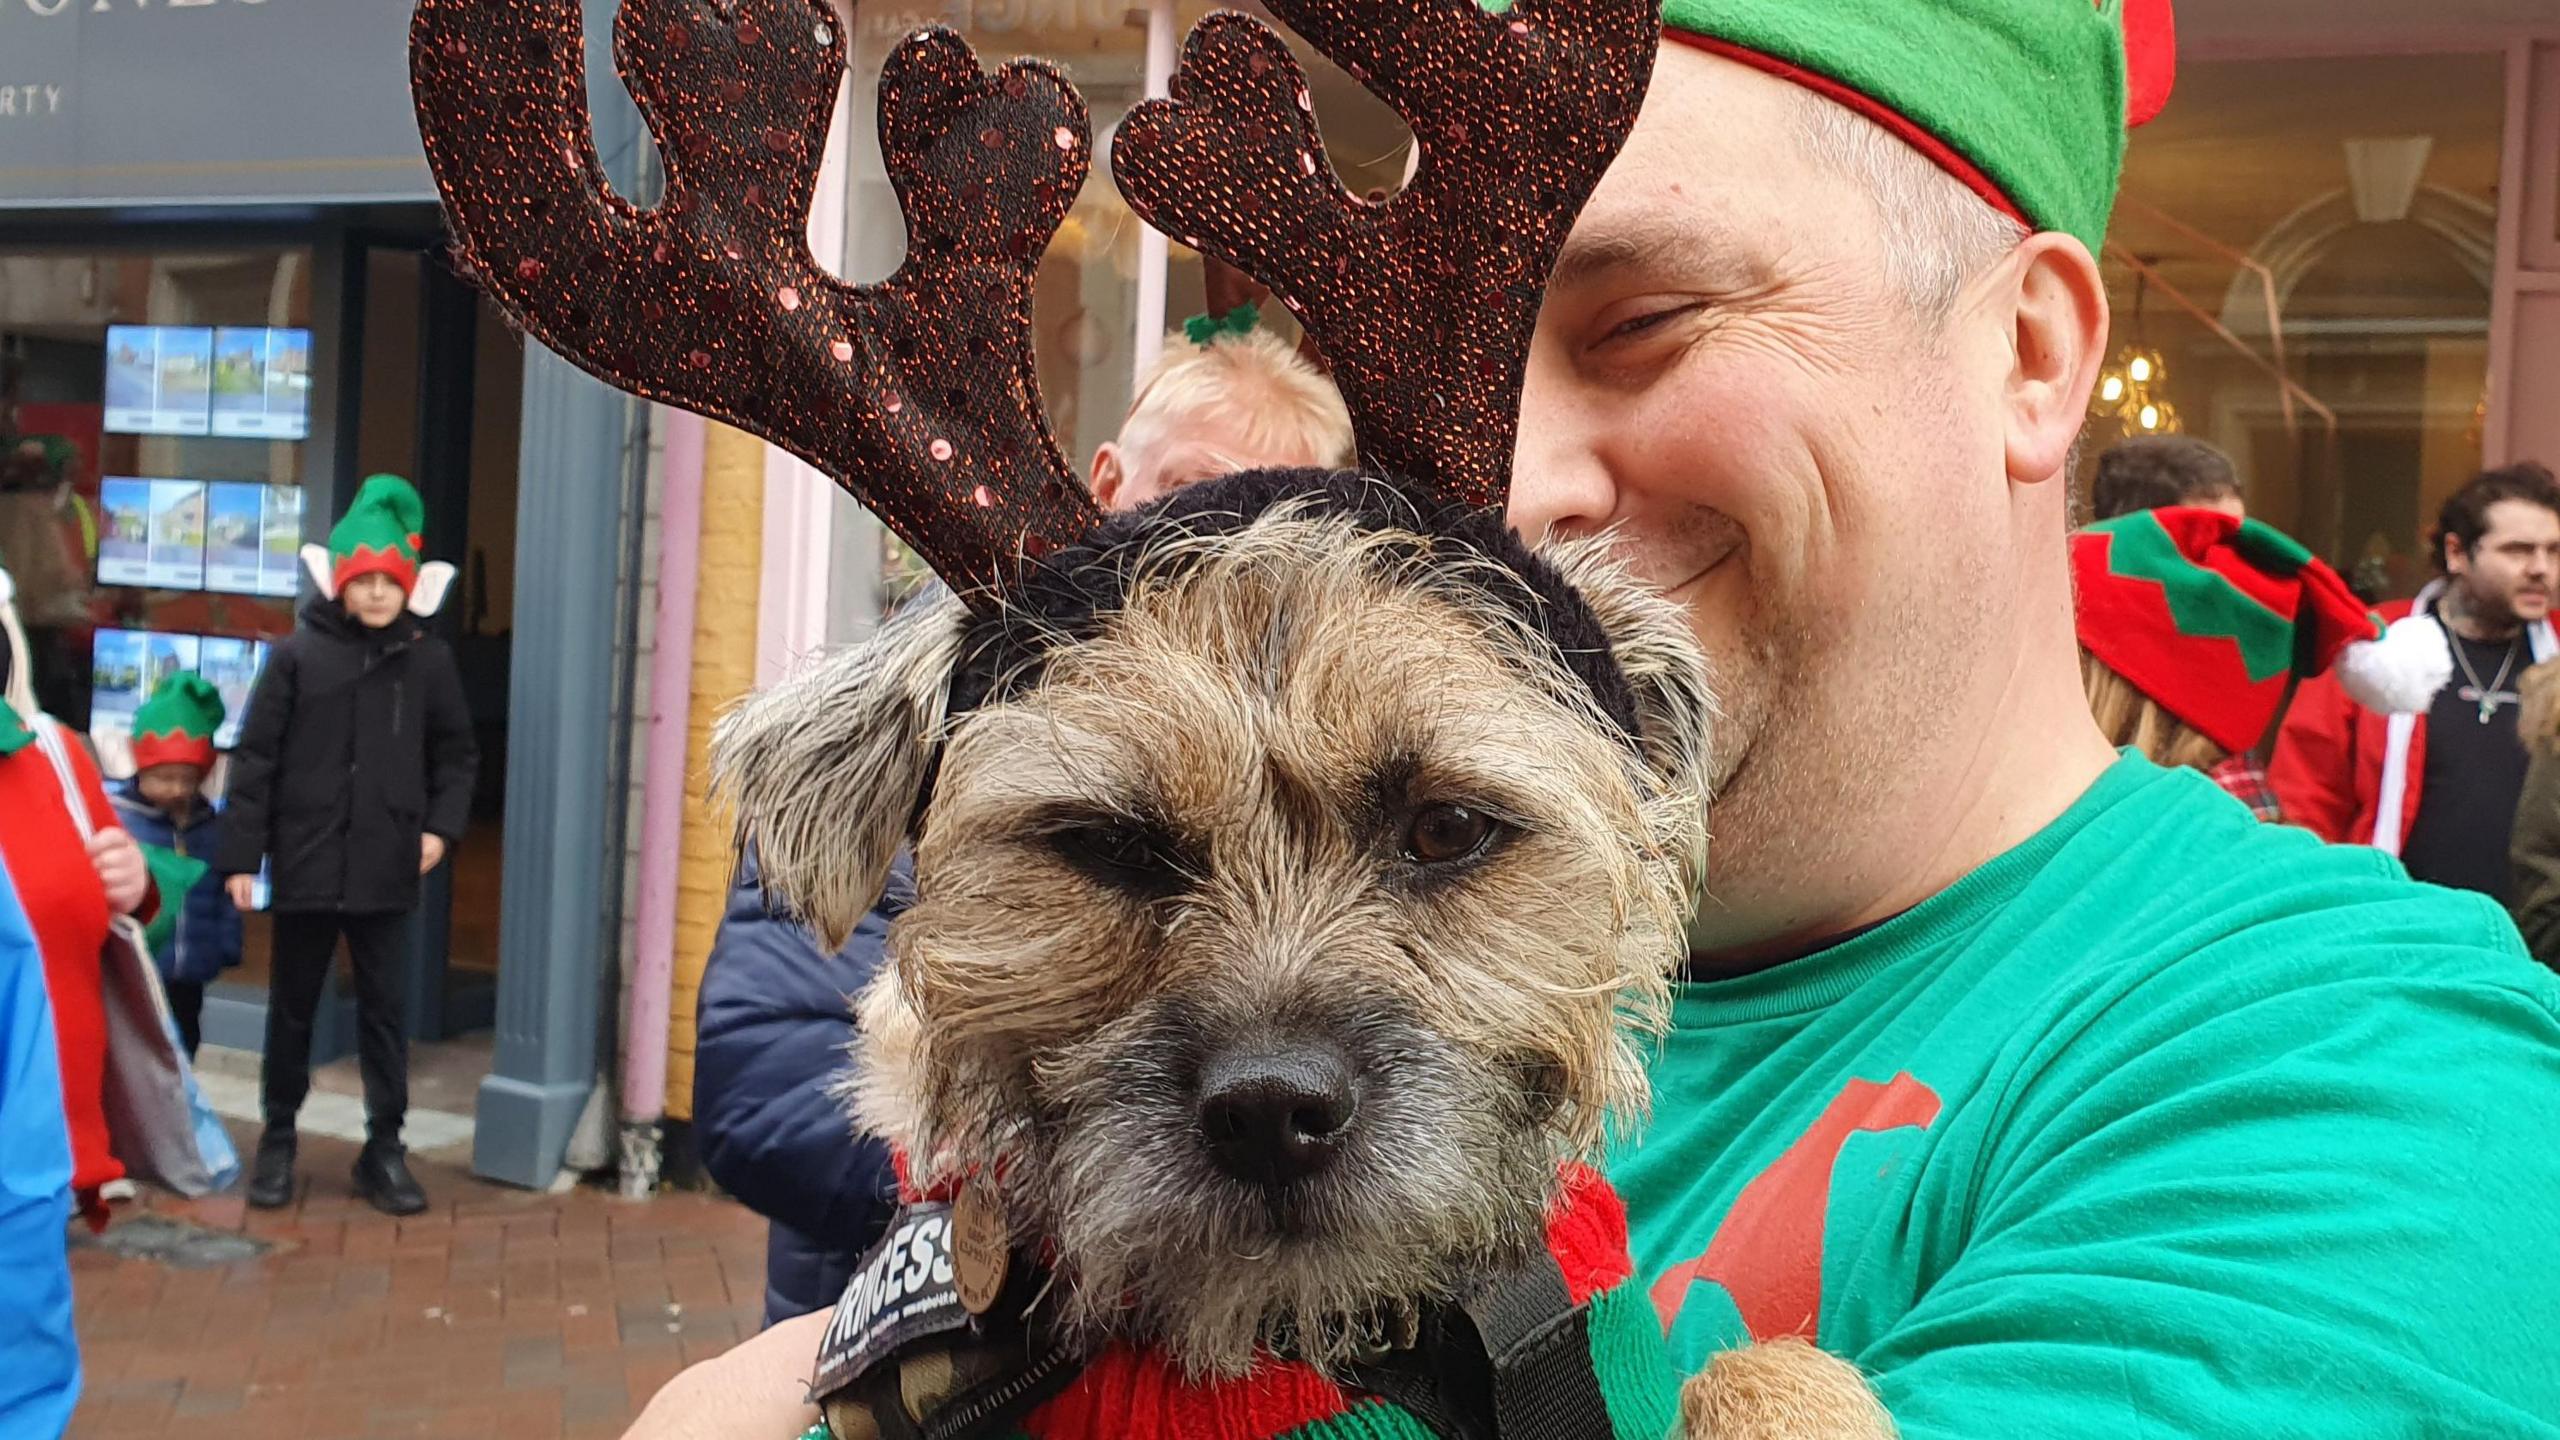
x,y
497,1315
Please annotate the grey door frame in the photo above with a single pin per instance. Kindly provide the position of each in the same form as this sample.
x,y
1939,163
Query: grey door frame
x,y
577,479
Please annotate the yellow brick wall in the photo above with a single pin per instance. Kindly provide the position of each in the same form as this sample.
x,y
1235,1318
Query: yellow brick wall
x,y
724,668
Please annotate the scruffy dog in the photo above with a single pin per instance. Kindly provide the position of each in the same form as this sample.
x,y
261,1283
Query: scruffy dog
x,y
1298,876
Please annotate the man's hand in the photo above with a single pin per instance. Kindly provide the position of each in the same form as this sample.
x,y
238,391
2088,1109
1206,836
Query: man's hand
x,y
244,891
118,862
430,853
759,1391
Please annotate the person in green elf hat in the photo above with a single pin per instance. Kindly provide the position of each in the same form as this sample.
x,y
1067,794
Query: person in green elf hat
x,y
351,780
2035,1079
165,804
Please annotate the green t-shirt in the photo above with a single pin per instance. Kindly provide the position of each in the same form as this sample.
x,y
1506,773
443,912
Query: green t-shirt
x,y
2166,1122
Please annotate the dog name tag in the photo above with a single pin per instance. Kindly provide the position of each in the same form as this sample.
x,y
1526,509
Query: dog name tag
x,y
981,1247
904,1290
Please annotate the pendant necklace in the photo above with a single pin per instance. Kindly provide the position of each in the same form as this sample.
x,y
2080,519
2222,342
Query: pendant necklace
x,y
2487,695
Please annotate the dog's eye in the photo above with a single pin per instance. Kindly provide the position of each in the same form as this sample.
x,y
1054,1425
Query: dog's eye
x,y
1441,834
1129,857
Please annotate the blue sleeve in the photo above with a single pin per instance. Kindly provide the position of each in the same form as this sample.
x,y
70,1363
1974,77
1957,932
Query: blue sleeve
x,y
775,1030
39,1355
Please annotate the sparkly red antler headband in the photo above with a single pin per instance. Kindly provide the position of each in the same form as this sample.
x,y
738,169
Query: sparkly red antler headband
x,y
1423,304
917,394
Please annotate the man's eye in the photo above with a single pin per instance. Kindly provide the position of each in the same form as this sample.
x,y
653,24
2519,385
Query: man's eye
x,y
1646,323
1445,834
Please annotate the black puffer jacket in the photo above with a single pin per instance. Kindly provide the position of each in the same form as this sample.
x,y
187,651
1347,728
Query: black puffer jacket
x,y
357,742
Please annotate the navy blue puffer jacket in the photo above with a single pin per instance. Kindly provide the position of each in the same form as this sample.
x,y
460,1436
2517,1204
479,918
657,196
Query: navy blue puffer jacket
x,y
775,1021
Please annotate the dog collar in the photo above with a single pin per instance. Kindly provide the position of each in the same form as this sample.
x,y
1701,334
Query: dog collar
x,y
1563,1346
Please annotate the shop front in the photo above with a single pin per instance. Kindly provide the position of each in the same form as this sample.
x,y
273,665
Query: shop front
x,y
2336,257
222,303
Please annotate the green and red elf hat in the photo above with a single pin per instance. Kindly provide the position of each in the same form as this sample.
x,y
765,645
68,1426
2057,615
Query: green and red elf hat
x,y
2026,101
2210,616
380,535
177,724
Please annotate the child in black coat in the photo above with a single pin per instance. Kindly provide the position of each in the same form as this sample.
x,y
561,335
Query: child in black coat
x,y
353,779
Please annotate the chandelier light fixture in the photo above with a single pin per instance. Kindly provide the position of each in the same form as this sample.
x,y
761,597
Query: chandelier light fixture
x,y
2129,389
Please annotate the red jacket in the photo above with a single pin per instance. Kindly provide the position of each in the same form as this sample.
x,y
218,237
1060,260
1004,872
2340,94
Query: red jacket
x,y
67,908
2332,755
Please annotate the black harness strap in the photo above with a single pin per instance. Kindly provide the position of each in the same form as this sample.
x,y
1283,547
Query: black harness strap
x,y
1512,1363
1543,1385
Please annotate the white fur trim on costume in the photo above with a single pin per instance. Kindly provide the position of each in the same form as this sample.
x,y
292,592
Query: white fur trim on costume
x,y
21,695
2400,673
315,558
2395,783
435,581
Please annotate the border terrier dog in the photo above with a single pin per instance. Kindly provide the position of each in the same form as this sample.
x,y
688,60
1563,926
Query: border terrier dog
x,y
1299,873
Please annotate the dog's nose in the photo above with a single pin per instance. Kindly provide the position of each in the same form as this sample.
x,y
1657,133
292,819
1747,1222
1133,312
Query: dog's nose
x,y
1275,1115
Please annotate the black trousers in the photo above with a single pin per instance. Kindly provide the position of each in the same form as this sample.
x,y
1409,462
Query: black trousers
x,y
186,1006
306,943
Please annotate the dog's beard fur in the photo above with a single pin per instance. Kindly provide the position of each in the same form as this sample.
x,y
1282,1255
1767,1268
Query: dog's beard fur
x,y
1444,1177
1274,704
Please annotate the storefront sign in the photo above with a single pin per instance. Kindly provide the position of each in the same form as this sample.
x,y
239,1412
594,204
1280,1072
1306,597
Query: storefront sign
x,y
188,101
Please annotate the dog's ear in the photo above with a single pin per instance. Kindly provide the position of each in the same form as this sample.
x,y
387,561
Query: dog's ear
x,y
825,769
1654,647
1650,638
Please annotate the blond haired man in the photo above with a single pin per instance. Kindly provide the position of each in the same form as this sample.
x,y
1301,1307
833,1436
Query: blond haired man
x,y
1241,399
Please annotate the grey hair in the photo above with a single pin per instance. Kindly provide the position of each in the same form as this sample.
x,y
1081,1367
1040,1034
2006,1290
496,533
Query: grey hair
x,y
1939,234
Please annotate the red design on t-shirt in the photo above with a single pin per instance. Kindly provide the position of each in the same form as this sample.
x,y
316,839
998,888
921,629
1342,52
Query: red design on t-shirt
x,y
1768,1252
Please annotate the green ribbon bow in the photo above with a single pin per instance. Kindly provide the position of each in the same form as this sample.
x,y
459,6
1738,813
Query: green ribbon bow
x,y
1206,329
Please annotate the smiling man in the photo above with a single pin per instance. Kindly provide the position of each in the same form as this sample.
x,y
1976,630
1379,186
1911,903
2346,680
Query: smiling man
x,y
2045,1084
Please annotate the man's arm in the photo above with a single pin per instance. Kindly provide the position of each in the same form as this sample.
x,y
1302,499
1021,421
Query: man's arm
x,y
249,793
758,1391
453,752
2271,1205
2313,769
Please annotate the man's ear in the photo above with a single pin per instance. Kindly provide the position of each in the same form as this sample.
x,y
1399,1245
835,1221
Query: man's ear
x,y
1109,474
825,769
2056,304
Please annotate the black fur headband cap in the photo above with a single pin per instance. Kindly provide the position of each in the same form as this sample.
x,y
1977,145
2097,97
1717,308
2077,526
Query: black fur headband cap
x,y
1072,592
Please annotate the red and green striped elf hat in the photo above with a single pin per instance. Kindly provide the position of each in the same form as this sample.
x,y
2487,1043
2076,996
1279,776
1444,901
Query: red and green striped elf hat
x,y
2210,616
176,725
2026,101
379,535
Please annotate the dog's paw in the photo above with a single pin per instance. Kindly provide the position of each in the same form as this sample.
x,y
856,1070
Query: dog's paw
x,y
1783,1390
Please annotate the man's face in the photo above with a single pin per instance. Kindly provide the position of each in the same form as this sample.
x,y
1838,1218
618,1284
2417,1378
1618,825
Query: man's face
x,y
2231,505
2507,577
1729,373
374,599
1184,450
170,787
